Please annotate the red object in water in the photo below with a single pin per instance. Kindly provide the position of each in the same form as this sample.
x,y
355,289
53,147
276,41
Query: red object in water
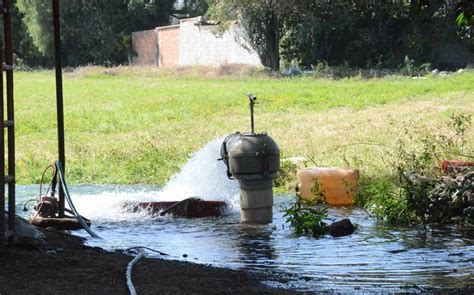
x,y
449,166
189,208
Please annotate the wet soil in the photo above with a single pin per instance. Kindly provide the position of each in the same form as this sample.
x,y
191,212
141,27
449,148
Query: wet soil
x,y
66,266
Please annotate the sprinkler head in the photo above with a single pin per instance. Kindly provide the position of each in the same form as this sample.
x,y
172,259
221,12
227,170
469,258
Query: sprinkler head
x,y
252,97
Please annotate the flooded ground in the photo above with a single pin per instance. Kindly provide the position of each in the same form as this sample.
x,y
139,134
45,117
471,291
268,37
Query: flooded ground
x,y
374,259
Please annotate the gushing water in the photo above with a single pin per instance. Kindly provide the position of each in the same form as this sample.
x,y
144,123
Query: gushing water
x,y
203,176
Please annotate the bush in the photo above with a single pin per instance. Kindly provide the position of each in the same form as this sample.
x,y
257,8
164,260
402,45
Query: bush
x,y
287,178
380,197
412,190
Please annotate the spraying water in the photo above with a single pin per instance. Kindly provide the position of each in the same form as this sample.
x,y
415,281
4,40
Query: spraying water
x,y
202,176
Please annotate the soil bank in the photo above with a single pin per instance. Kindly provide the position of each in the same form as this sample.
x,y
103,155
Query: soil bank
x,y
66,266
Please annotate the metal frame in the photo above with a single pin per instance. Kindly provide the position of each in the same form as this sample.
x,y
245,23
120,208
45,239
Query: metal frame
x,y
9,124
9,179
2,155
59,99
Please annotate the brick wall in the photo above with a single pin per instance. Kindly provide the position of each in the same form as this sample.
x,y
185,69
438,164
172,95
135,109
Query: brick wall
x,y
145,48
168,43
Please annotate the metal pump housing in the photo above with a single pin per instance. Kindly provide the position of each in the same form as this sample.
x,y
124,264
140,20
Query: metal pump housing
x,y
254,160
251,156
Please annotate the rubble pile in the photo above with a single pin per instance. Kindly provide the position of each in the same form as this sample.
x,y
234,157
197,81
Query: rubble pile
x,y
451,200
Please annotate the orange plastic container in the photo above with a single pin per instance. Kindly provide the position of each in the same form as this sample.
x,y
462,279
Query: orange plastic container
x,y
335,186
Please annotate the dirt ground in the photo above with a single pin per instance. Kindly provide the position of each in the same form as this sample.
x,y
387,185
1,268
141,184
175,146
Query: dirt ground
x,y
65,266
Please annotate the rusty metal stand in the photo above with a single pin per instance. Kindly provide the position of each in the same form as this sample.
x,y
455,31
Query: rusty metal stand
x,y
59,99
2,156
9,179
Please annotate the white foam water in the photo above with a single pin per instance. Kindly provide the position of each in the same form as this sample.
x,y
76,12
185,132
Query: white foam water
x,y
111,205
202,176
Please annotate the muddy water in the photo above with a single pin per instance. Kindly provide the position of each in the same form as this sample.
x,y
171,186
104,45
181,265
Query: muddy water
x,y
374,259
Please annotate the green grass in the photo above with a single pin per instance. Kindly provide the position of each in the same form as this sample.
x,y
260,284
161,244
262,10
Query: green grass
x,y
129,125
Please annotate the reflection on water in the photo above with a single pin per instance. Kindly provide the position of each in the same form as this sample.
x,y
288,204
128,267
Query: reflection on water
x,y
255,245
374,259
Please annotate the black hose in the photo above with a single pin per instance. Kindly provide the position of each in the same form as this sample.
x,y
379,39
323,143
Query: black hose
x,y
26,203
71,204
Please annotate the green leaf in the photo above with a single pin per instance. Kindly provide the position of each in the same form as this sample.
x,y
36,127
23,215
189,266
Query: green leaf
x,y
461,20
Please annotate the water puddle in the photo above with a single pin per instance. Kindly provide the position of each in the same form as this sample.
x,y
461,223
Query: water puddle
x,y
374,259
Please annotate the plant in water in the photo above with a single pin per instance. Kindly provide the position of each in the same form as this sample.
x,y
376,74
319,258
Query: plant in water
x,y
306,220
381,197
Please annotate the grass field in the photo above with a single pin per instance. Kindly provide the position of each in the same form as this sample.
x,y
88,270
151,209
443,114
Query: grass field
x,y
131,125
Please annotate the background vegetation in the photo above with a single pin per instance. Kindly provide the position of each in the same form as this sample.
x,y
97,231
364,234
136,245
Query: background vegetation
x,y
134,125
92,32
363,34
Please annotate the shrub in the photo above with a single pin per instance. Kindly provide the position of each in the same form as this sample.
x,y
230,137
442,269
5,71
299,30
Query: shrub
x,y
412,188
306,220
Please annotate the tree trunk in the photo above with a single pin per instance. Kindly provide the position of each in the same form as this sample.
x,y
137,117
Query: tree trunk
x,y
272,40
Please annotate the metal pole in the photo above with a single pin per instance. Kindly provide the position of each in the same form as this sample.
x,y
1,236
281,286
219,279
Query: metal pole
x,y
59,98
253,100
10,118
251,119
2,155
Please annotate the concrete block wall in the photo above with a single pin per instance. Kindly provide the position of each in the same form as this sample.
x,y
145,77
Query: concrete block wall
x,y
199,46
190,43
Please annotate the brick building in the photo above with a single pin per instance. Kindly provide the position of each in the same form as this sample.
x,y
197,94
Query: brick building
x,y
191,42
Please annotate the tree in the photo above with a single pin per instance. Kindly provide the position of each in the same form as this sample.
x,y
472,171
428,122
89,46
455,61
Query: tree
x,y
368,33
262,22
38,21
192,8
24,51
464,19
95,31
